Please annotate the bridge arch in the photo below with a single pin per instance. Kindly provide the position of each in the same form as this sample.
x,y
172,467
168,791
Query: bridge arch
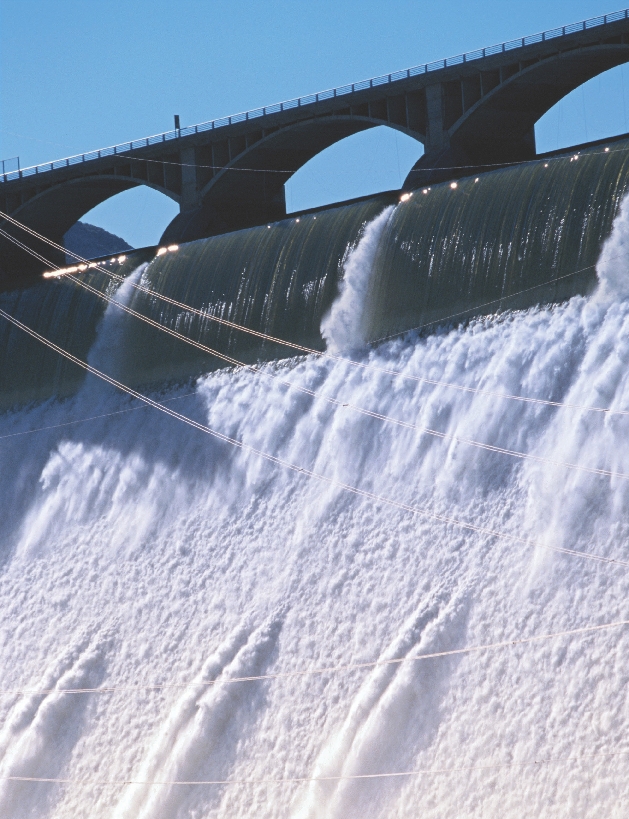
x,y
364,164
489,117
248,189
522,99
55,209
596,110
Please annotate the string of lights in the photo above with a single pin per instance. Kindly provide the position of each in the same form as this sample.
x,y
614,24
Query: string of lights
x,y
264,372
85,264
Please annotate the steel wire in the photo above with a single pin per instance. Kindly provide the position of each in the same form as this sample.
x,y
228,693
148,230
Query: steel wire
x,y
324,354
302,470
334,401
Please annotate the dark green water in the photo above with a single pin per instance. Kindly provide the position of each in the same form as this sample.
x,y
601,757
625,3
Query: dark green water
x,y
444,256
469,250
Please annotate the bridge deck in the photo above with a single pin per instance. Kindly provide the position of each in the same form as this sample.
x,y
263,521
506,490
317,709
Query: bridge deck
x,y
491,57
472,110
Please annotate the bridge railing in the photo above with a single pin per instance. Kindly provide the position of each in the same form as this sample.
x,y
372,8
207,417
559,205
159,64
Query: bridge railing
x,y
313,99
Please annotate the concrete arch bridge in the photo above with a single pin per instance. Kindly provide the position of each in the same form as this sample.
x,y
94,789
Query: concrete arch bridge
x,y
473,110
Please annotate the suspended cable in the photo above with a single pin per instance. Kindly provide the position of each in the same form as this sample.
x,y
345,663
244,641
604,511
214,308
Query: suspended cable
x,y
480,168
569,155
488,304
89,418
318,396
23,246
331,356
334,669
295,780
302,470
375,367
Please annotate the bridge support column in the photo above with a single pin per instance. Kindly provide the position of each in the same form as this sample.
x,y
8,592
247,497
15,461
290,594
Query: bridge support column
x,y
242,198
190,199
437,136
440,158
192,220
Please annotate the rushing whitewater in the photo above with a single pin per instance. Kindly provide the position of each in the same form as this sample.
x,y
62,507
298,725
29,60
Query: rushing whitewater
x,y
147,558
510,239
347,324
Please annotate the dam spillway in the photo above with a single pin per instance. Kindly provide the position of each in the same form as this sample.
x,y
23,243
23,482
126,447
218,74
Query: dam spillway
x,y
426,614
507,239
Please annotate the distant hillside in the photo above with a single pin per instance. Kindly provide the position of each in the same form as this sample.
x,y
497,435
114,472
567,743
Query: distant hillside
x,y
91,242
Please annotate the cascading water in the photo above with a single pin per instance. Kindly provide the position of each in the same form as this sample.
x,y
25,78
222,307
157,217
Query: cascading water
x,y
517,237
139,552
346,326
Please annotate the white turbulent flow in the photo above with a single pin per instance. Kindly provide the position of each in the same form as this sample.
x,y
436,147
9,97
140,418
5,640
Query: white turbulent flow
x,y
345,327
138,550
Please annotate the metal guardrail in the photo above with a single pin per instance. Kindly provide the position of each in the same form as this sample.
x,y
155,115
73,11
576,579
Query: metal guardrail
x,y
312,99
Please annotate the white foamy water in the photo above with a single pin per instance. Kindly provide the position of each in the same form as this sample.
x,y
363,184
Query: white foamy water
x,y
346,325
136,551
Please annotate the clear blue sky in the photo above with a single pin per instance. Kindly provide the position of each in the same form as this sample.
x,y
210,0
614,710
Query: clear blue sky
x,y
82,74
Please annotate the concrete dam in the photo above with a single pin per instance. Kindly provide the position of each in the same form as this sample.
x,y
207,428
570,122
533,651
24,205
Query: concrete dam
x,y
504,240
325,515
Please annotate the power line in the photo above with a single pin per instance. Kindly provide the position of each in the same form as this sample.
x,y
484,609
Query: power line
x,y
318,396
340,778
364,493
276,460
291,171
324,354
488,304
288,172
386,370
88,418
109,689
